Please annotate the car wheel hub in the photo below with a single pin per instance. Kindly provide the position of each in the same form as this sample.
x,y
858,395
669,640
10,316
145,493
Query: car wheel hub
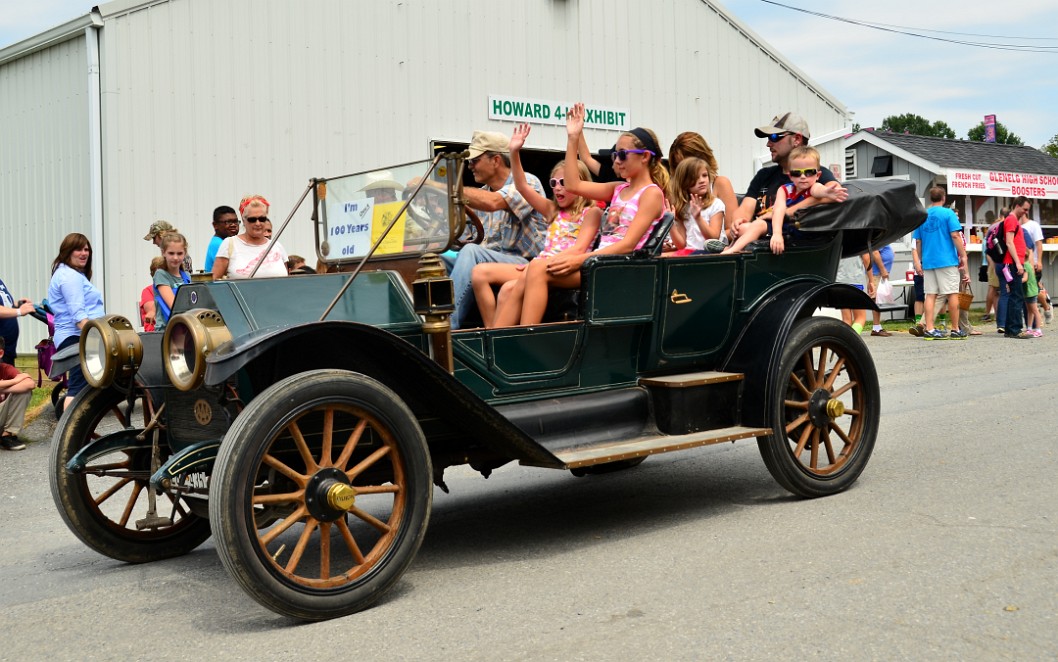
x,y
822,408
328,495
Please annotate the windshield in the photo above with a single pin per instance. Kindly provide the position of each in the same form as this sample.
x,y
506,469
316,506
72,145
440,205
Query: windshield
x,y
356,209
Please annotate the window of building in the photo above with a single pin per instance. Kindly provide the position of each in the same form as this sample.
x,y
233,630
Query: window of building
x,y
882,166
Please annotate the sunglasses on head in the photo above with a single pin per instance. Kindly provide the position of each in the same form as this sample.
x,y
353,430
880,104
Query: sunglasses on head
x,y
557,181
804,172
258,219
622,154
776,137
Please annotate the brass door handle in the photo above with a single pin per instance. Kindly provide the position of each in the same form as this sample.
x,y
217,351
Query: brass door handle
x,y
678,298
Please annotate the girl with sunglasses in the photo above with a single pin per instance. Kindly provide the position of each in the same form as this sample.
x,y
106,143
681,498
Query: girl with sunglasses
x,y
573,225
699,213
238,255
636,206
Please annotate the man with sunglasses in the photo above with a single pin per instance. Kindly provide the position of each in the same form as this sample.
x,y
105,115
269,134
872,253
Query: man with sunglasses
x,y
514,232
784,133
225,224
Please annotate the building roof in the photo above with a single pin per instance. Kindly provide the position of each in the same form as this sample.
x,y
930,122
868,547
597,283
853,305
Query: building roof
x,y
969,155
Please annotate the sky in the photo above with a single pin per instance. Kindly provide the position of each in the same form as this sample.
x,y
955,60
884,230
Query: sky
x,y
877,73
874,73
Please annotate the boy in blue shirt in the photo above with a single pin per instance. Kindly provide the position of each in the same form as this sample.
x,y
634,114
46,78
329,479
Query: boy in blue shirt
x,y
939,255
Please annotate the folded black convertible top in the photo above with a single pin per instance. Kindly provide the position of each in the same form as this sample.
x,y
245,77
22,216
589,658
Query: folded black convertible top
x,y
877,213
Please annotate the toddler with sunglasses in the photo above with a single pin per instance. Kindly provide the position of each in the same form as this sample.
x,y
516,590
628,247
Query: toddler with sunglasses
x,y
804,172
636,206
574,222
804,184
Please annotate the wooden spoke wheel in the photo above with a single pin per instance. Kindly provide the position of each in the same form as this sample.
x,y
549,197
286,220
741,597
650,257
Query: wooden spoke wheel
x,y
321,494
107,505
824,409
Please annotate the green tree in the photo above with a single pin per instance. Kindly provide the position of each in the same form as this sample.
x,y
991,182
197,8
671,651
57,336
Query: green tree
x,y
917,125
1051,147
1003,135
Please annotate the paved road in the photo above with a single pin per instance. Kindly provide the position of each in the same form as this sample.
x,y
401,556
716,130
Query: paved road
x,y
946,548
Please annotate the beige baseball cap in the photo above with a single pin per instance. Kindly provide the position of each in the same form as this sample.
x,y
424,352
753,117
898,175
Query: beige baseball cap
x,y
786,123
489,141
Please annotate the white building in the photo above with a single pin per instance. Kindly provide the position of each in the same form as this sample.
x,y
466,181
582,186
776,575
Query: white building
x,y
164,109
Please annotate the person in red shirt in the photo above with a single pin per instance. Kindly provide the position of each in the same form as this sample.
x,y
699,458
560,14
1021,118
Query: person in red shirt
x,y
16,389
1011,272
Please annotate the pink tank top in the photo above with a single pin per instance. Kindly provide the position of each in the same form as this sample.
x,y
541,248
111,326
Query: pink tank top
x,y
620,214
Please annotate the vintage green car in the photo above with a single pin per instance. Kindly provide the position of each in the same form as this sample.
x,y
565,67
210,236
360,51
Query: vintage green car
x,y
304,421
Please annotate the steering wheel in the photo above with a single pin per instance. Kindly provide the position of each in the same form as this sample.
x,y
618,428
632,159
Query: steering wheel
x,y
474,231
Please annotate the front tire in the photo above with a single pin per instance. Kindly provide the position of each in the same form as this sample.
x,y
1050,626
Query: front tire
x,y
278,532
824,410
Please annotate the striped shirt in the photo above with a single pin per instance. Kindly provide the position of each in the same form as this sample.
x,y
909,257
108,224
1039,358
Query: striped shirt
x,y
519,229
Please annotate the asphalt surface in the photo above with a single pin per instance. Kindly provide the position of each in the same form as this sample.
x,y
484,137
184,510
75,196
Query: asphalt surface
x,y
946,548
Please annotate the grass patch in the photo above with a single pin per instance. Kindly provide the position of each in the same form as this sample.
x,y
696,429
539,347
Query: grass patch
x,y
42,395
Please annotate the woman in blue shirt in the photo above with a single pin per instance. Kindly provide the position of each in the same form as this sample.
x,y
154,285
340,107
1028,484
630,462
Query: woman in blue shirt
x,y
73,299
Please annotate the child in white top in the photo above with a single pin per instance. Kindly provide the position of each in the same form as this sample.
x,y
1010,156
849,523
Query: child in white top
x,y
700,214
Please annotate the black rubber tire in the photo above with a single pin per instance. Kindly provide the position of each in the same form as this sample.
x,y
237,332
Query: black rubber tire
x,y
58,399
267,425
99,525
827,341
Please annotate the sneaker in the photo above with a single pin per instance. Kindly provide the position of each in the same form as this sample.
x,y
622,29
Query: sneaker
x,y
714,245
987,318
1048,315
10,442
1000,329
1024,335
883,333
917,330
1036,333
934,334
958,334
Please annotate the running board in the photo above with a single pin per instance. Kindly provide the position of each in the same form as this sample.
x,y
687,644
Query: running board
x,y
585,456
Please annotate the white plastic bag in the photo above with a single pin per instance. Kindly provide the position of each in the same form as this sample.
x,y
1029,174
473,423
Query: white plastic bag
x,y
884,294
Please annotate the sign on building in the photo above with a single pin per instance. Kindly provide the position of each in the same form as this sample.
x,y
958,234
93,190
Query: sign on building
x,y
539,111
1002,184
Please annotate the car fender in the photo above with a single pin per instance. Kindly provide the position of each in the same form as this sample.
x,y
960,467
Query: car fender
x,y
275,353
758,348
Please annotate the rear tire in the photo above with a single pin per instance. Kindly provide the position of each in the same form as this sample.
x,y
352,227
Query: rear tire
x,y
824,410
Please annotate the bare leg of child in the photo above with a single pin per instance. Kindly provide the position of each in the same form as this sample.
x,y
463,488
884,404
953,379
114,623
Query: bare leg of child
x,y
482,278
748,232
509,303
537,282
